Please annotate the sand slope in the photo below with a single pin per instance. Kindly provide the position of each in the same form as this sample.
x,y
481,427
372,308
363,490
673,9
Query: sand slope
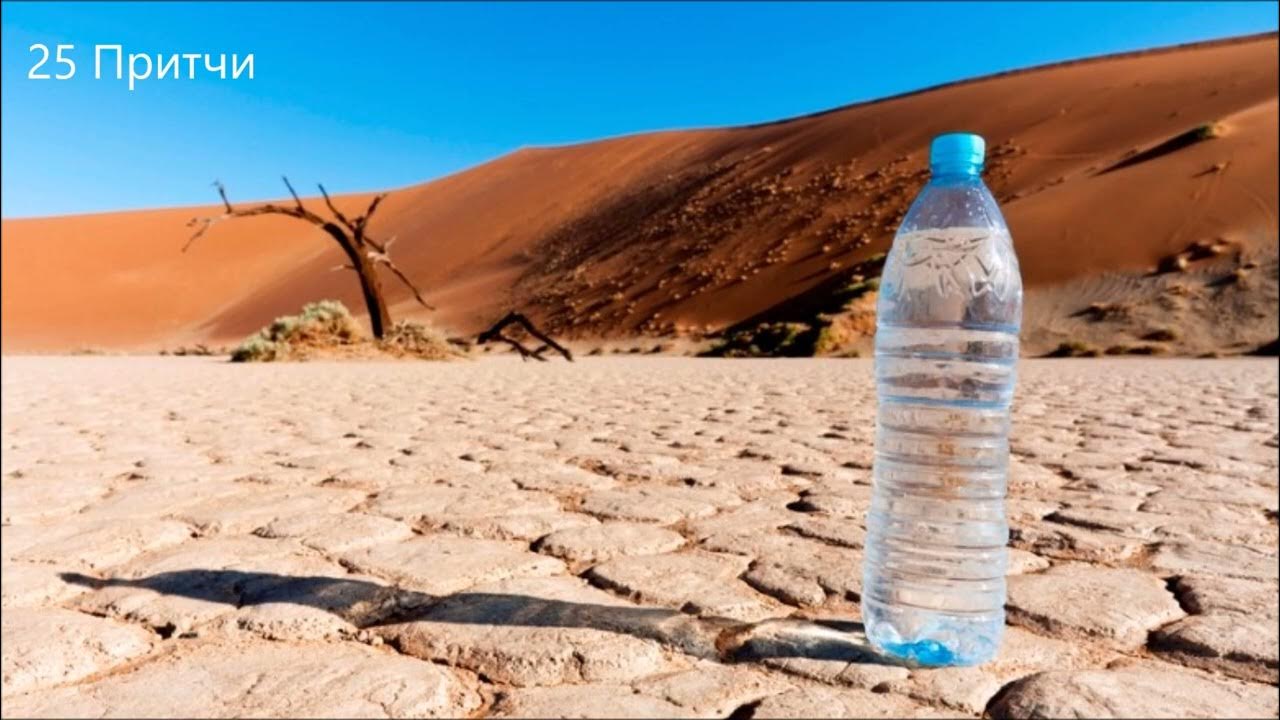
x,y
1098,165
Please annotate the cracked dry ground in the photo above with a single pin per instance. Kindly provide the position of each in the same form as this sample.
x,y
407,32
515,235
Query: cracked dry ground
x,y
616,537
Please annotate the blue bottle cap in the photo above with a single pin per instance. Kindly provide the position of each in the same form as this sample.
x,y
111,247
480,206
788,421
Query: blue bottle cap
x,y
959,148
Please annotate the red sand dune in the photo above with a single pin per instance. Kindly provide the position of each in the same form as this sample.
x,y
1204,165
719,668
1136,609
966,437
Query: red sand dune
x,y
683,232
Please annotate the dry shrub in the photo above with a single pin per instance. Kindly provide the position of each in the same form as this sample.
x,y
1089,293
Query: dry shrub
x,y
1073,348
326,329
324,324
407,339
1208,131
1173,263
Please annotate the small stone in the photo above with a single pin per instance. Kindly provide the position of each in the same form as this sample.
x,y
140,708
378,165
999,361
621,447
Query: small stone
x,y
598,543
1135,692
1118,606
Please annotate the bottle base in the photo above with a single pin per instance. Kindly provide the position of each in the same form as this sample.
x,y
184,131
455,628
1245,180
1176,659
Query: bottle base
x,y
933,638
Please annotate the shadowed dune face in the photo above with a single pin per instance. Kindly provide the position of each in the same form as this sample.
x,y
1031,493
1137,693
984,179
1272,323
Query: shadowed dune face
x,y
1104,168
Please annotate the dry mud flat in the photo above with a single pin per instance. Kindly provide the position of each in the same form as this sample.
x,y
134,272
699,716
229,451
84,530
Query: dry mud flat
x,y
618,537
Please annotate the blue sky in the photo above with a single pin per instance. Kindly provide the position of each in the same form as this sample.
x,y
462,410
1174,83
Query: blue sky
x,y
380,95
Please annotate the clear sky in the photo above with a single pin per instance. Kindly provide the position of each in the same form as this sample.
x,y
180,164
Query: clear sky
x,y
372,95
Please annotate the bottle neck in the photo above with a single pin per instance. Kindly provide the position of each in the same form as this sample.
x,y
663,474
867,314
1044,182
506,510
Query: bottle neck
x,y
955,171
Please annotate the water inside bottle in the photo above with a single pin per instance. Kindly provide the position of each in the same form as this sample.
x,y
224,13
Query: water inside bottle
x,y
946,349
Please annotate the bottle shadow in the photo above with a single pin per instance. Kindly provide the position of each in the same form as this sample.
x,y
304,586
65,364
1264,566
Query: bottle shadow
x,y
373,606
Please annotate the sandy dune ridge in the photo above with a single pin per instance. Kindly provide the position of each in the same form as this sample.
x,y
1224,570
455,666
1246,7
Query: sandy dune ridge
x,y
1105,168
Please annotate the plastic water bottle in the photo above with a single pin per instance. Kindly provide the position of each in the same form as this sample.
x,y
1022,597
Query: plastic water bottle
x,y
946,342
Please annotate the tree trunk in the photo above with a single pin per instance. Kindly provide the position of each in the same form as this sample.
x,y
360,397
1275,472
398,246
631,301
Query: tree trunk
x,y
371,288
370,285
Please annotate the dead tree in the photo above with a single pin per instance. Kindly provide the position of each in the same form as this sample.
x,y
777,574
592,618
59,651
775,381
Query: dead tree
x,y
364,254
495,333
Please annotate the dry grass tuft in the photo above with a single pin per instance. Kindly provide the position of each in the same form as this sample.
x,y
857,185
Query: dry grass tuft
x,y
326,329
407,339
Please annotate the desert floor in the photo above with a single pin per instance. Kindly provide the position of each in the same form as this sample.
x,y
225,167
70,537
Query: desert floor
x,y
618,537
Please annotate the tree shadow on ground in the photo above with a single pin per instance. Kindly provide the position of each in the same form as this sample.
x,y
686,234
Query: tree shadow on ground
x,y
370,605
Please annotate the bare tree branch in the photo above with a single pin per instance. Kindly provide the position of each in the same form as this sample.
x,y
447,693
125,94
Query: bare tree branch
x,y
524,352
384,248
417,294
202,225
380,256
222,192
292,192
337,213
363,220
495,333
